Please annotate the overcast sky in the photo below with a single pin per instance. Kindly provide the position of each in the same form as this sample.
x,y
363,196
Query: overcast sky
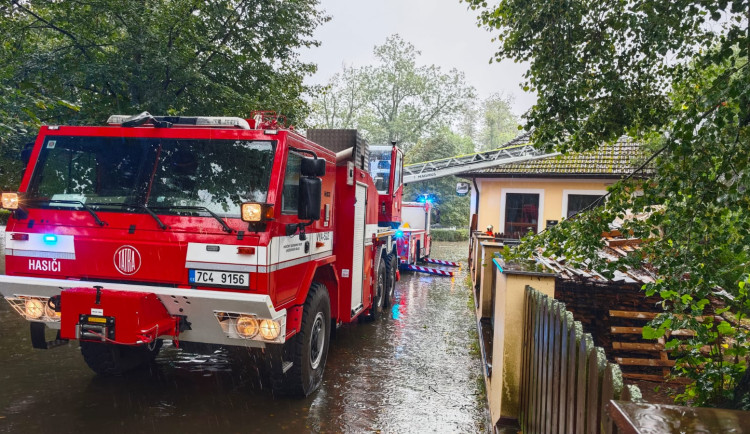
x,y
444,31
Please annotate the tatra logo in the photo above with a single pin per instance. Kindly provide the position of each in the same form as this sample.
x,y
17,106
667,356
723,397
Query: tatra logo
x,y
127,260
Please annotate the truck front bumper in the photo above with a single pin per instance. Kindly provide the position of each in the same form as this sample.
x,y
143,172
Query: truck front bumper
x,y
207,312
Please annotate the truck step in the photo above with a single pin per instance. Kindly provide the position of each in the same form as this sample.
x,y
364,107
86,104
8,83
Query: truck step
x,y
441,262
428,270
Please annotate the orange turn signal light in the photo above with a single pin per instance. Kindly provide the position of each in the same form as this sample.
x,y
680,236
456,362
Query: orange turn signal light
x,y
245,250
256,212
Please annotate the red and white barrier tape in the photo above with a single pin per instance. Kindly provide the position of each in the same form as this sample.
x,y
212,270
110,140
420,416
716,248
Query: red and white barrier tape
x,y
441,262
428,270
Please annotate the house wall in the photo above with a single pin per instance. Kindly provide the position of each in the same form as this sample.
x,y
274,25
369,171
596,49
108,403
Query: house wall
x,y
553,195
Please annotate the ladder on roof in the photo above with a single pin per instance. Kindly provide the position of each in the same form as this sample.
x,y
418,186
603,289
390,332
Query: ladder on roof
x,y
481,160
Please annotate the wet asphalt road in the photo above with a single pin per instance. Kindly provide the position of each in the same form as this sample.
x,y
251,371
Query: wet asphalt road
x,y
411,371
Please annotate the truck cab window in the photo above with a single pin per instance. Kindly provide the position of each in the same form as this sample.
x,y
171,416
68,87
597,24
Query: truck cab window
x,y
380,167
290,194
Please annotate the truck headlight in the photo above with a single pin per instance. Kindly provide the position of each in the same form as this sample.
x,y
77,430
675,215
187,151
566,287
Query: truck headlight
x,y
9,200
256,212
247,326
269,329
34,308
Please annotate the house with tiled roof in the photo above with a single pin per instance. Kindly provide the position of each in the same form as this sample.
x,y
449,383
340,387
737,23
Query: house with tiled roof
x,y
528,196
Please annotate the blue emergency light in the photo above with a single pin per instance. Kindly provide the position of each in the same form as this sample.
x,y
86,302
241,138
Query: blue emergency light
x,y
50,239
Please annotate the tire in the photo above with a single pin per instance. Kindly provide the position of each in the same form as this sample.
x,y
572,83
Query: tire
x,y
308,349
113,360
391,265
418,253
381,282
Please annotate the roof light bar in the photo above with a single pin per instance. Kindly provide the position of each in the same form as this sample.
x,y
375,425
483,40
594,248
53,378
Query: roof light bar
x,y
209,121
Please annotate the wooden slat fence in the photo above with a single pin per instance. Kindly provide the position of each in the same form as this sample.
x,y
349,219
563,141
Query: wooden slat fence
x,y
566,382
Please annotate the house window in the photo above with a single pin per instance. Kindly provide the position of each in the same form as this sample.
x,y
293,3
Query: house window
x,y
521,214
579,202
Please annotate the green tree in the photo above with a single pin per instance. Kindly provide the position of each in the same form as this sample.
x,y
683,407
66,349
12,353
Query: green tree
x,y
454,210
395,99
340,103
675,76
77,62
499,124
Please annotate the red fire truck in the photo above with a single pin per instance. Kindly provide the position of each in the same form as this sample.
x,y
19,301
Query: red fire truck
x,y
217,231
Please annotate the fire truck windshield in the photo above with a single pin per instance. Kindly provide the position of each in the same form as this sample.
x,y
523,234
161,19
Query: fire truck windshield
x,y
111,173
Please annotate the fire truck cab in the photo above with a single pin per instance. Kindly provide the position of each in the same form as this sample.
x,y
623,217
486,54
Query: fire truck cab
x,y
217,231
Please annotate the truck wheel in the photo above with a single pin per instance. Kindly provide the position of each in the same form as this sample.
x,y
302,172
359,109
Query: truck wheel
x,y
111,359
418,253
391,265
380,288
308,349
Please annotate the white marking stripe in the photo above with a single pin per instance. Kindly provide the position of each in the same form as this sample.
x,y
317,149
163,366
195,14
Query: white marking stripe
x,y
253,268
39,254
63,244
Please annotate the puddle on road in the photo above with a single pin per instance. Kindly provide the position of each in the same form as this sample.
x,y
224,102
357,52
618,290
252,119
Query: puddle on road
x,y
410,371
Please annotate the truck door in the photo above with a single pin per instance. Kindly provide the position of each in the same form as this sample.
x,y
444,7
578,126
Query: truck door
x,y
359,246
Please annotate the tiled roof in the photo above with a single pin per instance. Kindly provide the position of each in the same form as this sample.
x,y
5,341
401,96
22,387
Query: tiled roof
x,y
614,160
616,247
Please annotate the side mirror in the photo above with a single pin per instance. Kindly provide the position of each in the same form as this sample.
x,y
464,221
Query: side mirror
x,y
313,167
309,197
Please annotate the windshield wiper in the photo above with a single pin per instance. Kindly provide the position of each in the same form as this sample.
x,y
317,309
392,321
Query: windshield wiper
x,y
156,217
224,225
77,202
142,207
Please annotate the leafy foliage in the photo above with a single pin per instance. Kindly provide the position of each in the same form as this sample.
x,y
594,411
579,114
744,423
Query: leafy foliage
x,y
74,62
394,100
490,122
675,76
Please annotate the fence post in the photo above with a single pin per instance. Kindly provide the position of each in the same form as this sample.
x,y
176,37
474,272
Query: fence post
x,y
611,389
552,357
585,347
566,321
536,362
574,340
526,359
597,363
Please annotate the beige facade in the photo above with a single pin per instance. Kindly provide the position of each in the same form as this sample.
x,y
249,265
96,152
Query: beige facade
x,y
553,197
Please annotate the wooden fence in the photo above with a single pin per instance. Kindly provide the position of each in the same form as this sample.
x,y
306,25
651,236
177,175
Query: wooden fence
x,y
566,382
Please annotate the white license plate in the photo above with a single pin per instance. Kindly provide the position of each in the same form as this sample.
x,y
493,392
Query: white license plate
x,y
221,278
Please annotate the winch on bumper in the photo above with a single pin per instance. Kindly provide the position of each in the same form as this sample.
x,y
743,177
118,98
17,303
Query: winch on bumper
x,y
131,313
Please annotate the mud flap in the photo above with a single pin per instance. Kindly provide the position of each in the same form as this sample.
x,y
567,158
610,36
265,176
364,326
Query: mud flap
x,y
39,340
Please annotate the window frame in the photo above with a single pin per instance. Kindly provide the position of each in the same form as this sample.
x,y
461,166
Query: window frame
x,y
503,201
568,192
